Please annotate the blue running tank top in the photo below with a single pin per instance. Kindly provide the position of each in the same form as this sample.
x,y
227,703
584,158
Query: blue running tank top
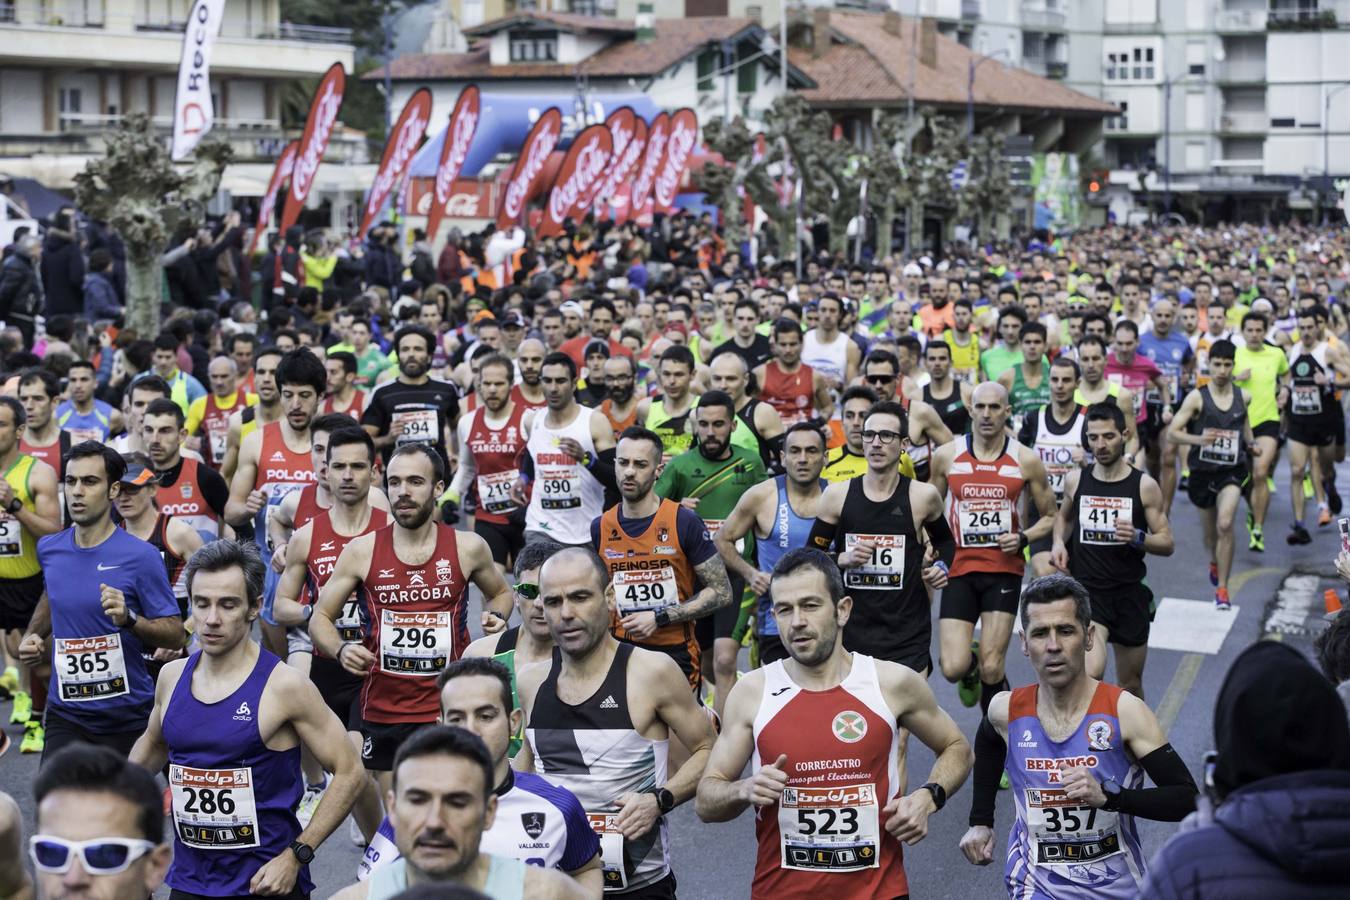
x,y
1059,849
234,798
789,530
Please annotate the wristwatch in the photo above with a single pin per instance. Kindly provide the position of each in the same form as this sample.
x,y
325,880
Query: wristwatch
x,y
14,506
665,800
939,794
303,852
1111,789
131,619
662,618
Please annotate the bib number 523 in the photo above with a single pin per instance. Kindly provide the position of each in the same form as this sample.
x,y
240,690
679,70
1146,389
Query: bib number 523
x,y
827,821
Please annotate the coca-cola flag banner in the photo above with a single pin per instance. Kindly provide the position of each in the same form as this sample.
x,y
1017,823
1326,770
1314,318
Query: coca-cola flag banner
x,y
285,165
679,147
581,171
193,110
629,133
539,143
657,137
458,138
403,141
323,113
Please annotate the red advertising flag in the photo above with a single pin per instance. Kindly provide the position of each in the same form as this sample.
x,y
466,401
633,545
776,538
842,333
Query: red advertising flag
x,y
657,136
458,136
539,143
323,113
285,164
582,170
403,141
679,147
630,140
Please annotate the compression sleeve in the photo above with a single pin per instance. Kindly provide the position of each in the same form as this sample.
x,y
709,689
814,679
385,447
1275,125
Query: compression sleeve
x,y
1173,798
526,464
602,467
940,534
823,535
991,752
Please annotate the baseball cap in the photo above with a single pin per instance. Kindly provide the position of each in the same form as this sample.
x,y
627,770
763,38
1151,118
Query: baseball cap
x,y
139,475
513,319
484,315
572,306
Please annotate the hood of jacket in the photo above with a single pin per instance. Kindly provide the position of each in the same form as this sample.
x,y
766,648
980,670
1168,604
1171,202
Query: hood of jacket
x,y
1299,822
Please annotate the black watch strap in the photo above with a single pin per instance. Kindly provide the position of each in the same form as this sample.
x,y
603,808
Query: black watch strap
x,y
303,852
662,618
665,800
15,504
939,794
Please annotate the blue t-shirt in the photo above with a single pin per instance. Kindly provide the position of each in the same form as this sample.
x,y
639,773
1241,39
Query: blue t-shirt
x,y
93,426
1169,354
99,678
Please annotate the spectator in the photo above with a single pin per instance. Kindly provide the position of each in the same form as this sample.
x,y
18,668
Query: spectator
x,y
319,260
100,296
63,265
383,265
1277,821
1333,654
449,267
21,287
422,266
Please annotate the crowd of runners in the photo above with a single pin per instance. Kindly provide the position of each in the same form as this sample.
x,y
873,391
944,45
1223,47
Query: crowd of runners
x,y
238,559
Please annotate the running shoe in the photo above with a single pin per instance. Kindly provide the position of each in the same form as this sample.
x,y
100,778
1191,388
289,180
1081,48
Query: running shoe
x,y
9,682
969,688
1214,574
1258,541
310,802
1270,485
1323,517
34,738
1251,522
1307,486
1299,535
1333,498
1221,600
23,708
1185,481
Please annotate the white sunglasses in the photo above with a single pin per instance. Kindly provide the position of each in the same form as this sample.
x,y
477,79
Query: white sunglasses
x,y
100,856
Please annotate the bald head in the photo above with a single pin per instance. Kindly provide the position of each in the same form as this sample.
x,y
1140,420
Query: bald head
x,y
989,410
533,344
573,566
729,373
989,392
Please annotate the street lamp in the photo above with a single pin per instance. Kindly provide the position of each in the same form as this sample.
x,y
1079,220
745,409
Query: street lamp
x,y
970,88
1326,146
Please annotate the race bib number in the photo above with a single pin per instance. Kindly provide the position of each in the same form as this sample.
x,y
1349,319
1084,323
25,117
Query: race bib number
x,y
1224,449
419,426
90,668
11,537
611,849
885,569
348,623
1097,518
559,487
1306,400
494,492
214,809
645,590
1066,832
715,525
80,435
919,453
982,521
1059,461
217,442
414,643
829,829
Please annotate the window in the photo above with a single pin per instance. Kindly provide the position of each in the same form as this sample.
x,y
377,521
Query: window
x,y
747,67
707,66
70,100
1131,62
1195,57
585,8
534,46
1122,121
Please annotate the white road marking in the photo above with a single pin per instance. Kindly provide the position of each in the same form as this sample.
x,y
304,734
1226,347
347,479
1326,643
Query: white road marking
x,y
1190,626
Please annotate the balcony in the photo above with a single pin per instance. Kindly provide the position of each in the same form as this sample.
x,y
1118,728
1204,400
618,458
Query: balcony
x,y
86,122
1243,122
285,31
1239,166
91,16
1039,17
1239,21
1240,71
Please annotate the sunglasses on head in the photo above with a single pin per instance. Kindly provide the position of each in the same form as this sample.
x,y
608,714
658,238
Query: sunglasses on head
x,y
100,856
527,590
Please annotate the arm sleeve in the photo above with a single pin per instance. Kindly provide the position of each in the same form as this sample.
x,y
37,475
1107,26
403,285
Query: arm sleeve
x,y
214,489
823,535
1174,797
468,469
940,534
603,469
1027,435
991,751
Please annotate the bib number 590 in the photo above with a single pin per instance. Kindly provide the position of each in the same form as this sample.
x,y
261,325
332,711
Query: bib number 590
x,y
827,821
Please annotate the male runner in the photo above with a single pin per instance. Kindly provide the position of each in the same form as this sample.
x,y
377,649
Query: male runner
x,y
829,351
1094,387
414,408
1007,352
923,429
1138,374
267,410
666,574
1057,432
849,460
231,703
983,478
821,732
611,753
1171,352
871,526
413,576
964,344
1314,417
667,413
569,454
620,405
100,691
491,439
138,507
29,509
343,396
536,822
1075,766
42,438
949,396
780,514
796,391
1112,515
243,349
188,490
143,390
757,426
529,359
1213,421
83,416
1028,382
752,347
442,804
1259,368
209,416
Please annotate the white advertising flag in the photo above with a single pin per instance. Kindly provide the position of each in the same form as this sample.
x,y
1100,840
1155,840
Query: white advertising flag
x,y
193,110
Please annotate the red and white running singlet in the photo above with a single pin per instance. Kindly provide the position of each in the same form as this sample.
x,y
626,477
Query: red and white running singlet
x,y
495,450
789,395
982,504
842,747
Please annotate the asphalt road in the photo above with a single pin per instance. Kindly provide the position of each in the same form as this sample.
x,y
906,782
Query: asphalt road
x,y
716,861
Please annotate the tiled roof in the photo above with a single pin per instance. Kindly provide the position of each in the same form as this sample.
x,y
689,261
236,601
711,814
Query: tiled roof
x,y
676,39
565,21
868,64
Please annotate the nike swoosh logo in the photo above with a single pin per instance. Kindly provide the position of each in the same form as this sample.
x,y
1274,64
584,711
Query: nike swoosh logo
x,y
103,568
1005,590
779,691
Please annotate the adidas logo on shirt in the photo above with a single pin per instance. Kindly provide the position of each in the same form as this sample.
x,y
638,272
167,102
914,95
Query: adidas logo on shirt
x,y
609,703
243,713
278,456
